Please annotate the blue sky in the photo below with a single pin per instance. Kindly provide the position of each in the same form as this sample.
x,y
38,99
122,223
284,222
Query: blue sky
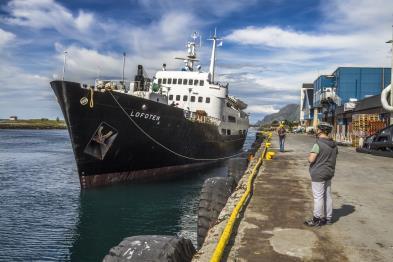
x,y
270,47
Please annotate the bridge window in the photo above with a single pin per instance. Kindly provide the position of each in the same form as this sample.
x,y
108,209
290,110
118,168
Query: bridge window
x,y
164,81
195,82
179,81
228,132
174,81
231,119
177,97
200,99
170,97
201,83
192,98
159,81
184,81
190,82
185,98
169,81
208,100
223,131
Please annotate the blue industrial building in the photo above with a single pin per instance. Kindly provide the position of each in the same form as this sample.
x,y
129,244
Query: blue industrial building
x,y
360,82
322,84
344,85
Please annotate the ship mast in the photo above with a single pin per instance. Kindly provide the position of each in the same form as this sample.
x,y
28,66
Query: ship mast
x,y
213,56
191,53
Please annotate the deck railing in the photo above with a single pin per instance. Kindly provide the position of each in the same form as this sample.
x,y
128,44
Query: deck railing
x,y
195,117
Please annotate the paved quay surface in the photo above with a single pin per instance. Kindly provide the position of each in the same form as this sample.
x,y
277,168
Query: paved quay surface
x,y
272,225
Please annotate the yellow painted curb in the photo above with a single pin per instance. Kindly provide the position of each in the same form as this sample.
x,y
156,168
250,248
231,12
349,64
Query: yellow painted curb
x,y
226,234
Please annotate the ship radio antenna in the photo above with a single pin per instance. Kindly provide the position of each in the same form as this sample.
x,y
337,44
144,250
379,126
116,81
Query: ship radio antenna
x,y
191,52
64,63
213,56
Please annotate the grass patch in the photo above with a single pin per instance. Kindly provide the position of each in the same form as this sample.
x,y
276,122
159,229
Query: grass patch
x,y
32,124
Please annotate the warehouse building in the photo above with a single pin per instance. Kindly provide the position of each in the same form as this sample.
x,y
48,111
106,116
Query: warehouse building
x,y
344,126
306,104
346,85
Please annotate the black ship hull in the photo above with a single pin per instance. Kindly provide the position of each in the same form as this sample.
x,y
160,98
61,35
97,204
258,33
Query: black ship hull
x,y
118,137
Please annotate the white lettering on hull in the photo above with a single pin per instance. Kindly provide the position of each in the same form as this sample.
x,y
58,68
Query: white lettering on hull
x,y
137,114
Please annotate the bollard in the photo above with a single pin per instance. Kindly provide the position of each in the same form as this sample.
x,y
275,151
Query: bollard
x,y
270,155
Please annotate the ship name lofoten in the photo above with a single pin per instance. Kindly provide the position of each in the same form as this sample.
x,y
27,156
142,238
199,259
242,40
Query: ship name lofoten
x,y
144,115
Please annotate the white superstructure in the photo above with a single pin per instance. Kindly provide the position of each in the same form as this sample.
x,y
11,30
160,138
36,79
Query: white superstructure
x,y
194,91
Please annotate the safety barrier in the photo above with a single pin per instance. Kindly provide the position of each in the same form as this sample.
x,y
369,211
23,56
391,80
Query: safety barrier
x,y
226,234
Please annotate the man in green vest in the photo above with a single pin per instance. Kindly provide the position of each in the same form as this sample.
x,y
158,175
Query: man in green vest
x,y
322,159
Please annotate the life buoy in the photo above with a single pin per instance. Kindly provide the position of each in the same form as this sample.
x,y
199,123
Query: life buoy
x,y
384,98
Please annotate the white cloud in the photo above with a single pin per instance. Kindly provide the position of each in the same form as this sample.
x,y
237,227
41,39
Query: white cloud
x,y
150,45
368,16
262,109
84,20
25,94
267,73
273,36
353,33
218,8
84,63
41,14
6,37
47,14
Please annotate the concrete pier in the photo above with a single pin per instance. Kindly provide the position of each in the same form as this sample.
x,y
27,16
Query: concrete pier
x,y
272,229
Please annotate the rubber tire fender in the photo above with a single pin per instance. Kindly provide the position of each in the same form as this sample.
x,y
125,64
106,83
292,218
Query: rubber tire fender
x,y
152,248
214,195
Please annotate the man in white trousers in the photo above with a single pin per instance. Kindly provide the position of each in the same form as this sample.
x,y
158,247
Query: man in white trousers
x,y
322,161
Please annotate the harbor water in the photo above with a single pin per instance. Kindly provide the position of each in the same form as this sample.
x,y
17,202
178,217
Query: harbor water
x,y
44,216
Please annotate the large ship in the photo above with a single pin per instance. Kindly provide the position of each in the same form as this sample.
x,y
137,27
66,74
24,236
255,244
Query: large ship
x,y
152,129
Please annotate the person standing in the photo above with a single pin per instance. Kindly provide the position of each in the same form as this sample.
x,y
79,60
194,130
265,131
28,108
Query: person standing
x,y
322,159
281,136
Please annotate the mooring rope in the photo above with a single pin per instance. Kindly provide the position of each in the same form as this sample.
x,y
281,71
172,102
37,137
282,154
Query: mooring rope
x,y
161,145
91,104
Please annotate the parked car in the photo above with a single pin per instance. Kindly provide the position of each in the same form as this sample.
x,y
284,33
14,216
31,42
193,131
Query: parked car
x,y
380,143
298,130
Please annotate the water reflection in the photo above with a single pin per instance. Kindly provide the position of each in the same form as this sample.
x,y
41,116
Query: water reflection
x,y
107,215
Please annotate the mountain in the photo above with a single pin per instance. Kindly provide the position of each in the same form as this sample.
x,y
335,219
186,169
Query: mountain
x,y
289,112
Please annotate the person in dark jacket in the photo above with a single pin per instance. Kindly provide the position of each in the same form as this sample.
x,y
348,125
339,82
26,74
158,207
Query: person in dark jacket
x,y
322,161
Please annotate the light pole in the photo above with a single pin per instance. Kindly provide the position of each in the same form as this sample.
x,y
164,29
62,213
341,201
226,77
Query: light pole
x,y
124,65
391,84
64,63
389,108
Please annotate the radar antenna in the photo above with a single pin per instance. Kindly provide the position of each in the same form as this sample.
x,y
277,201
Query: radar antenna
x,y
191,52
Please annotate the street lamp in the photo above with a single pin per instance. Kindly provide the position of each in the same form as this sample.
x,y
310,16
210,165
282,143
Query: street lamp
x,y
384,94
64,63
